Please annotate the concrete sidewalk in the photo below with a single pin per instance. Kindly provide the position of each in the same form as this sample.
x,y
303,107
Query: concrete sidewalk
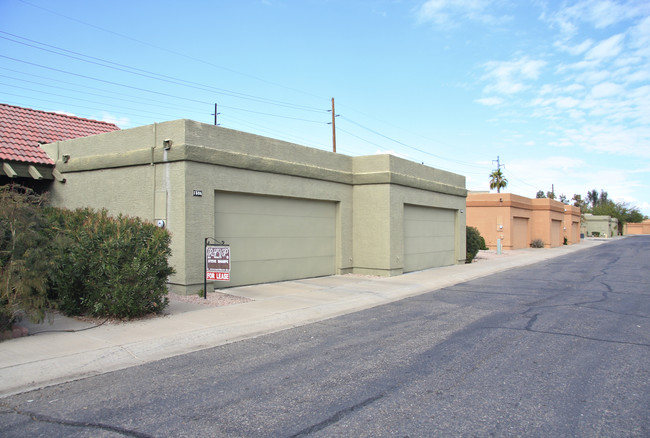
x,y
53,357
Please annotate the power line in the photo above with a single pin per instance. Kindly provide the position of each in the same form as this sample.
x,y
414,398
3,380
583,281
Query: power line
x,y
69,104
75,84
167,50
87,93
181,82
102,80
153,75
79,99
409,146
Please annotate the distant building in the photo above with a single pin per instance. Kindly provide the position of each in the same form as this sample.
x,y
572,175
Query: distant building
x,y
638,228
599,226
517,221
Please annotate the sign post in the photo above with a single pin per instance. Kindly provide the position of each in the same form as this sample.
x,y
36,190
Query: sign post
x,y
216,265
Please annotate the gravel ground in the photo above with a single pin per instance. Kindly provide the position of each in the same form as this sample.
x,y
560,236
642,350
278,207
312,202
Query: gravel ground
x,y
214,299
490,254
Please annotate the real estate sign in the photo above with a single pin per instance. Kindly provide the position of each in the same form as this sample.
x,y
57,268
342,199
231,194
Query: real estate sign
x,y
217,262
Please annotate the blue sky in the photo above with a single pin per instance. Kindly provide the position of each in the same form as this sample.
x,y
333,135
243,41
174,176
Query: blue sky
x,y
558,90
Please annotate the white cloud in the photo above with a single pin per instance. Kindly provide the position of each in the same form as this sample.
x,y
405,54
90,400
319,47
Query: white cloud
x,y
600,14
608,48
639,75
448,13
65,113
569,175
122,122
490,101
606,89
510,77
577,49
566,102
577,114
612,139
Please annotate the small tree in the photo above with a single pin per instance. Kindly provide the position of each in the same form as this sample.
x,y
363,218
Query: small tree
x,y
24,260
540,194
578,202
474,242
498,181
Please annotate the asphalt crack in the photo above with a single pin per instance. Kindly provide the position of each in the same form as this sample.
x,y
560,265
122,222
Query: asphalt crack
x,y
529,329
338,416
531,322
81,424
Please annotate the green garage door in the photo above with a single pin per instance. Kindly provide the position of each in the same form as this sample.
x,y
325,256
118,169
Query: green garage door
x,y
274,238
429,239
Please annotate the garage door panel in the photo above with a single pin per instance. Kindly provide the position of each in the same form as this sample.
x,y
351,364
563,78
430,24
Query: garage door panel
x,y
428,260
269,248
264,225
257,271
418,245
430,228
242,203
520,233
276,238
429,237
556,233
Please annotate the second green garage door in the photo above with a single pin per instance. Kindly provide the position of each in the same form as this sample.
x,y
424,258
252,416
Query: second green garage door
x,y
429,237
275,238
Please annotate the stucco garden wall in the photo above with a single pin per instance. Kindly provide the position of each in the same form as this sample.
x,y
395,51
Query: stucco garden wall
x,y
638,228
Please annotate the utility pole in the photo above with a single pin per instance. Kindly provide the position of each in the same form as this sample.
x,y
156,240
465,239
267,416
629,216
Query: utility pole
x,y
499,165
334,116
215,115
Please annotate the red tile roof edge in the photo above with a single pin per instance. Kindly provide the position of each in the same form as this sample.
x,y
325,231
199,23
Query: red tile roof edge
x,y
117,128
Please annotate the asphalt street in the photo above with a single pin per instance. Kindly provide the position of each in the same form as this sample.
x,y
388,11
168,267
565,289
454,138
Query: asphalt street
x,y
558,348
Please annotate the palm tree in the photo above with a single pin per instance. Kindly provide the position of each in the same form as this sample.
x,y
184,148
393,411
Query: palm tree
x,y
498,181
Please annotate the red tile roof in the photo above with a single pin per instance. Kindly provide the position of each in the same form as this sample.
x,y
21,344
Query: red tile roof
x,y
23,129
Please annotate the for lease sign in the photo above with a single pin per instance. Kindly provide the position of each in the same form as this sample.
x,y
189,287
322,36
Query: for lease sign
x,y
217,262
218,276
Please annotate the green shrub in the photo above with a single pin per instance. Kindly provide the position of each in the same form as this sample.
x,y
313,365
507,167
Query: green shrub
x,y
474,242
482,243
595,233
537,243
24,256
107,266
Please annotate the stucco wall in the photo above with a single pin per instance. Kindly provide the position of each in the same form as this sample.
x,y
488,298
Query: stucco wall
x,y
605,226
638,228
155,171
517,220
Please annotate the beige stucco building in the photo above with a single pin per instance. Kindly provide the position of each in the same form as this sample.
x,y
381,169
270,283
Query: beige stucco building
x,y
287,211
517,221
638,228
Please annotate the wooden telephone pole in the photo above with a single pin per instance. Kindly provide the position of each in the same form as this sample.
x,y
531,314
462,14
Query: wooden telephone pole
x,y
333,127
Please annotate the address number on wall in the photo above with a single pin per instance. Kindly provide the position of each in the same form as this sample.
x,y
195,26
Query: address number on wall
x,y
197,192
